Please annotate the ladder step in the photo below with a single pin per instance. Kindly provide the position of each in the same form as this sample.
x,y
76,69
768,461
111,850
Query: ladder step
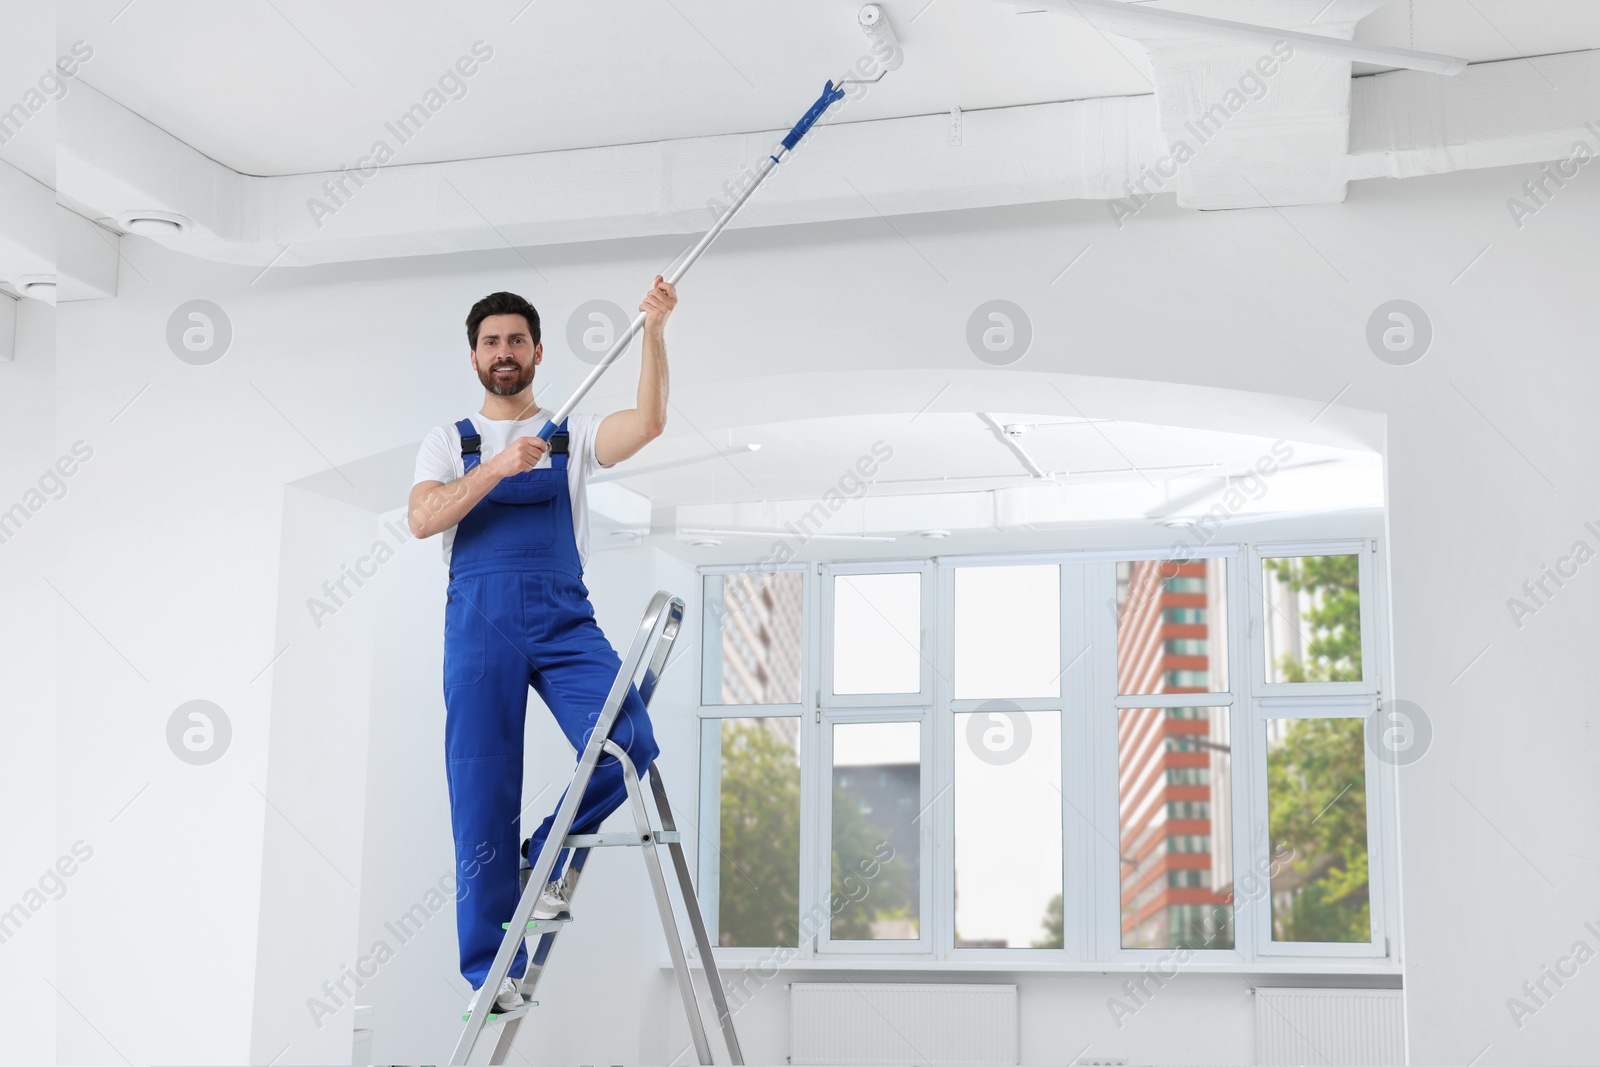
x,y
537,923
506,1016
623,840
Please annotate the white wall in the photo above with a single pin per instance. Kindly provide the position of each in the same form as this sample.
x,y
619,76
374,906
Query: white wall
x,y
29,612
175,533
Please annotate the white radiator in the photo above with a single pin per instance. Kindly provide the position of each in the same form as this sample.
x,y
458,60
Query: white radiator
x,y
1333,1027
854,1023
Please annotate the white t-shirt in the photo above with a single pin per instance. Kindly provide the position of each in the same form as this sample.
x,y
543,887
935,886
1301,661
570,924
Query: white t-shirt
x,y
439,460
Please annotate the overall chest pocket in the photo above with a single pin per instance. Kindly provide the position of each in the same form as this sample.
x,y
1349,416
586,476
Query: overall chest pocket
x,y
531,511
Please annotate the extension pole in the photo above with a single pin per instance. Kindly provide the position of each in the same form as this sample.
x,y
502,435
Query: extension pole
x,y
830,94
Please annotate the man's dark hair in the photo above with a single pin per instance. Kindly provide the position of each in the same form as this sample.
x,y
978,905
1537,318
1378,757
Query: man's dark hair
x,y
501,304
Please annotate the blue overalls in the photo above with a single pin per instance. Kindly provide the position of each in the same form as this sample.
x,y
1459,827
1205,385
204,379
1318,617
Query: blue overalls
x,y
517,614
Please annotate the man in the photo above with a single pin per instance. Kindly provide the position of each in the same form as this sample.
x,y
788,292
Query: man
x,y
513,511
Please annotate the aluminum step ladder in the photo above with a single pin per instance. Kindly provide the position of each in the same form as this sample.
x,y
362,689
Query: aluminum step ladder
x,y
642,667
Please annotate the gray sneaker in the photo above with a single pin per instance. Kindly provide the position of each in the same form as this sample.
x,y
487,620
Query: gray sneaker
x,y
555,902
509,997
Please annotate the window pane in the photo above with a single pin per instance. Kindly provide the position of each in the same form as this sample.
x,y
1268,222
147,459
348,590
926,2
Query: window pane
x,y
1008,828
1313,611
877,633
1172,626
758,896
877,789
1177,843
1008,631
753,637
1317,810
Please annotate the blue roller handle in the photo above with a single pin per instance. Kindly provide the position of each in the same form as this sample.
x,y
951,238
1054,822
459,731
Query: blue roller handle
x,y
825,101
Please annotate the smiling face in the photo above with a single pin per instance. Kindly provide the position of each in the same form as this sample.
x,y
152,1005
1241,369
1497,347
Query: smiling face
x,y
506,355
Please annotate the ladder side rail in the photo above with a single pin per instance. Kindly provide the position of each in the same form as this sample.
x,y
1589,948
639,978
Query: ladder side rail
x,y
544,940
665,613
697,922
658,662
669,922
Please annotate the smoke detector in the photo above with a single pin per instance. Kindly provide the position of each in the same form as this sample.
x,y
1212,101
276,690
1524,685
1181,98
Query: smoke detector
x,y
706,542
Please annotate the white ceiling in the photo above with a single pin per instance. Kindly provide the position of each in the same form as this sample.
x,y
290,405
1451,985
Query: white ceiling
x,y
26,53
276,87
1102,470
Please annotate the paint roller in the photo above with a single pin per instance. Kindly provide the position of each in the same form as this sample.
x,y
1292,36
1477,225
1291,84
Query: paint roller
x,y
885,45
831,93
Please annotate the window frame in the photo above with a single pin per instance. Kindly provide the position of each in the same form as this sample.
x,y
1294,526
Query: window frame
x,y
1362,550
1088,706
827,573
825,945
1379,807
1073,921
705,646
709,790
1108,704
1326,700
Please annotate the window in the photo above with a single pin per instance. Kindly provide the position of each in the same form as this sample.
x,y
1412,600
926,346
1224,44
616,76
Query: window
x,y
876,867
1313,618
1007,632
758,853
1172,626
1319,803
1059,759
877,633
1317,810
751,650
1176,882
1007,828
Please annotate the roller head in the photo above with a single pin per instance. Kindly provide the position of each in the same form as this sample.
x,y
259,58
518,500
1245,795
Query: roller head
x,y
885,45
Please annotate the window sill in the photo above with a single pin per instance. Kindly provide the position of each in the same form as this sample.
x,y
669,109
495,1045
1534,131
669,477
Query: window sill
x,y
1278,966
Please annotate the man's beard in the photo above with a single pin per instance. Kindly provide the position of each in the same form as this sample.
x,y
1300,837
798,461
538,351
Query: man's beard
x,y
512,388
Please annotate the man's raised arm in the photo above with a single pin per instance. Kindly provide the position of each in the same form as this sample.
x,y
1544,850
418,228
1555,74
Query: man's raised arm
x,y
623,433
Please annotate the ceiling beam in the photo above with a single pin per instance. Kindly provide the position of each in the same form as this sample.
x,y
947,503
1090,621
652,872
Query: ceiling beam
x,y
1250,120
27,239
88,257
1259,26
112,162
8,328
1503,114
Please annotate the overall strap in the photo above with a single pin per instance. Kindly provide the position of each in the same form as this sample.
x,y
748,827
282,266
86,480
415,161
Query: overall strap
x,y
471,442
469,445
558,447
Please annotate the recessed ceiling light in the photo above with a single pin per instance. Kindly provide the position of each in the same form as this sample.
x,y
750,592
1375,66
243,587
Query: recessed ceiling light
x,y
627,535
35,286
934,535
706,542
156,224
